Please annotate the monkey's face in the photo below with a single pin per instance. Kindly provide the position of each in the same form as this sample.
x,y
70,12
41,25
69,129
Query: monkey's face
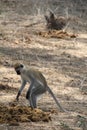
x,y
18,68
18,72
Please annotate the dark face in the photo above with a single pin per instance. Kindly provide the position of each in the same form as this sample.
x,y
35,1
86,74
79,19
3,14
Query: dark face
x,y
18,69
18,72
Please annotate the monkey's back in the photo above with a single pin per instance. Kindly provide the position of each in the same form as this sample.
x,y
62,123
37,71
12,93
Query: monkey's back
x,y
36,75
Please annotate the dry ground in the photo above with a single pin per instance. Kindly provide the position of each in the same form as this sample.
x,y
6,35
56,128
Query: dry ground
x,y
62,61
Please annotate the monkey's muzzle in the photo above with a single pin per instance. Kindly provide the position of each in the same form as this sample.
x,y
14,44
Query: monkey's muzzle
x,y
18,72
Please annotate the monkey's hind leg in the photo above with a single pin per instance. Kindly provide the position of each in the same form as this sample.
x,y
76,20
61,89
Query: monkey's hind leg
x,y
28,94
31,98
33,101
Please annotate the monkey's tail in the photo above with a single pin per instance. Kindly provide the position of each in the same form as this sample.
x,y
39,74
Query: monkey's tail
x,y
52,94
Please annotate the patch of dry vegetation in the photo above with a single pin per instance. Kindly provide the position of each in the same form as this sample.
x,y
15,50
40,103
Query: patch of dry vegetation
x,y
56,34
15,114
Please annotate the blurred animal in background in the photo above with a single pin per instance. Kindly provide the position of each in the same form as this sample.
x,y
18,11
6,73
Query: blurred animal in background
x,y
55,23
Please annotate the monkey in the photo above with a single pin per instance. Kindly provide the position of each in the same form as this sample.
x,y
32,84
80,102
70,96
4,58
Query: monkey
x,y
38,85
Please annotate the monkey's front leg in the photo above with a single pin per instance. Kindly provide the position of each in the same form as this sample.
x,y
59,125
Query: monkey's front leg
x,y
20,90
17,97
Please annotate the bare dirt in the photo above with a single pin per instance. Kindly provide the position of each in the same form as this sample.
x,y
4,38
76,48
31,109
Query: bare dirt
x,y
62,60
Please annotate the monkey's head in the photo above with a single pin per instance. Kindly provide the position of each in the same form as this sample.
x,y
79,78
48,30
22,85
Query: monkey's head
x,y
18,67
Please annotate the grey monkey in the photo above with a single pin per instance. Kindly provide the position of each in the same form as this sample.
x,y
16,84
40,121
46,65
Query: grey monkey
x,y
38,85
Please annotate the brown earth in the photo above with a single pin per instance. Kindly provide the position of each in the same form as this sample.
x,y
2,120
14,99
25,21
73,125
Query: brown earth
x,y
61,60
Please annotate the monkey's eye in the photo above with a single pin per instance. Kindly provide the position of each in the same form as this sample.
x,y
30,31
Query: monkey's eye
x,y
21,65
